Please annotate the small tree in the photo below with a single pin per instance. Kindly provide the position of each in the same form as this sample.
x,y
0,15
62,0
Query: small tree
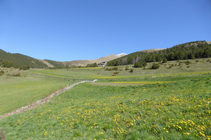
x,y
164,60
155,66
26,67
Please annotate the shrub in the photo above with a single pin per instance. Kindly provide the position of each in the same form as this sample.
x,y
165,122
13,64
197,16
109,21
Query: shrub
x,y
164,60
107,69
140,64
26,67
131,70
1,73
115,68
188,66
197,60
127,68
115,73
155,66
171,66
187,62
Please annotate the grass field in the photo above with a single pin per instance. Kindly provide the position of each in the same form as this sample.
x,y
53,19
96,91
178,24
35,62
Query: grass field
x,y
146,104
168,110
179,68
20,91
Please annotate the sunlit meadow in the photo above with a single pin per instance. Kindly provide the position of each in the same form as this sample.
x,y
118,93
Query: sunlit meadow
x,y
176,108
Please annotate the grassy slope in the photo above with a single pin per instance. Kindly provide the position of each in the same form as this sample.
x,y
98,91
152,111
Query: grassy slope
x,y
166,111
92,73
21,60
20,91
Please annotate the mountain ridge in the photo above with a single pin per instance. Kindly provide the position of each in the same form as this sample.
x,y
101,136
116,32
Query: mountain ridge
x,y
18,60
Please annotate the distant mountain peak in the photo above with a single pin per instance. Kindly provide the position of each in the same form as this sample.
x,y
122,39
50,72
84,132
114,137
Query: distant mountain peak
x,y
121,54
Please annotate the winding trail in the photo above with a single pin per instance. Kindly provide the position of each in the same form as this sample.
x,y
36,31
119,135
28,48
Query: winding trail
x,y
42,101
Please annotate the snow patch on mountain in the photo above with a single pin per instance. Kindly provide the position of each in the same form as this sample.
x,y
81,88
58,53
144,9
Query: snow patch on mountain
x,y
121,54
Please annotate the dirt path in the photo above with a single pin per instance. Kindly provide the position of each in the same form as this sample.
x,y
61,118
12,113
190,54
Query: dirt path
x,y
42,101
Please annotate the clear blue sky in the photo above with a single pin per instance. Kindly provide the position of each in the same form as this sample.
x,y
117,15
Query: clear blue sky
x,y
66,30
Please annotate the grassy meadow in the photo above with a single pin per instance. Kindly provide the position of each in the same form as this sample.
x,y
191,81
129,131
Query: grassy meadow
x,y
20,91
167,103
171,68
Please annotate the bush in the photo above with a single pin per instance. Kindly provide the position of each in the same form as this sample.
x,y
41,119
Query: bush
x,y
1,73
110,69
26,67
155,66
115,73
188,66
171,66
187,62
197,60
164,60
131,70
140,64
127,68
107,69
115,68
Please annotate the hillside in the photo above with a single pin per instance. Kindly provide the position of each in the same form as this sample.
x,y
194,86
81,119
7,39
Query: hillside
x,y
152,50
19,60
190,50
83,62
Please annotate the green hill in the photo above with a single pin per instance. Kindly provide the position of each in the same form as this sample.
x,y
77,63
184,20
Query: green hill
x,y
190,50
18,60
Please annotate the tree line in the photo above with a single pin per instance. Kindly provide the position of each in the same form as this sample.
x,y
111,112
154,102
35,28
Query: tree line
x,y
190,50
9,64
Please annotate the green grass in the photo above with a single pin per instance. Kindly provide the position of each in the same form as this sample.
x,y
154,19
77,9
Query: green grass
x,y
201,67
17,92
168,104
179,110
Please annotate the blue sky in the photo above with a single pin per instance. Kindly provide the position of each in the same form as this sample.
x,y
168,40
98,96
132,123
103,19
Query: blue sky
x,y
65,30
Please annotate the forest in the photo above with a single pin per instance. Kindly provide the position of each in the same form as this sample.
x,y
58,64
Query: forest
x,y
190,50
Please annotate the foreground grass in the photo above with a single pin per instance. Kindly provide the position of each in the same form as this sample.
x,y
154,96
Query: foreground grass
x,y
21,91
174,110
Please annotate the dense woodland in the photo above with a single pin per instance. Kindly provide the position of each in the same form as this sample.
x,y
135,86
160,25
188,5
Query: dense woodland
x,y
190,50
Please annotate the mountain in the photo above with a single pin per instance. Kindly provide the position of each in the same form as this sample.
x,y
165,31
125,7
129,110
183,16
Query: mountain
x,y
19,60
196,49
99,60
189,50
121,55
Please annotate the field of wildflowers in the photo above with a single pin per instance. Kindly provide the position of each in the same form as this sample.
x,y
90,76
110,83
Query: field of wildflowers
x,y
162,110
